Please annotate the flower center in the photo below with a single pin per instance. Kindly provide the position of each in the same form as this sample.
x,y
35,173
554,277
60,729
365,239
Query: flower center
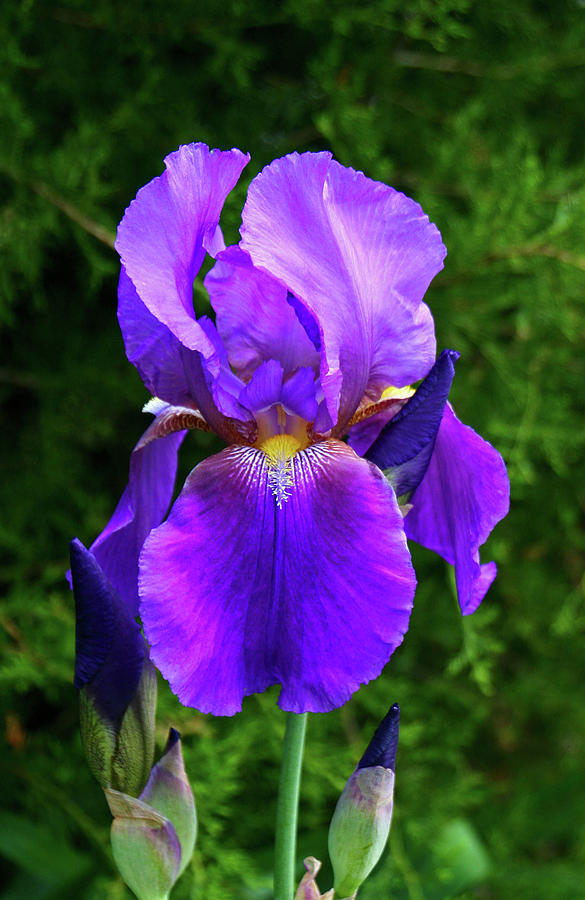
x,y
279,450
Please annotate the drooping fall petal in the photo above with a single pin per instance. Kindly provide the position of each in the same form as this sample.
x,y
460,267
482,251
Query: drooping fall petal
x,y
144,503
463,495
238,594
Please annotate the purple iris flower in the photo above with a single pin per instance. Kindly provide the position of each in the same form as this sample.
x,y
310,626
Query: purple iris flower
x,y
284,558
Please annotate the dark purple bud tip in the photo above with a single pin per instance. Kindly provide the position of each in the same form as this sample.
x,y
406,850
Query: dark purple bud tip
x,y
94,614
109,648
173,739
404,447
383,746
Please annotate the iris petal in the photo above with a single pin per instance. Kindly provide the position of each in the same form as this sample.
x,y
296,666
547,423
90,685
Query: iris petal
x,y
299,394
264,388
170,371
151,347
404,446
237,594
254,317
163,236
463,495
359,257
144,503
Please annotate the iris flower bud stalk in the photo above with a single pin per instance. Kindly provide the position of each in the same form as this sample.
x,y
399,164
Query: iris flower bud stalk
x,y
361,822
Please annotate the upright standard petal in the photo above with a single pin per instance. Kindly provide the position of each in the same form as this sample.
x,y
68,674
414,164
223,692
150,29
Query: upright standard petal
x,y
463,495
163,236
238,594
359,256
254,317
144,503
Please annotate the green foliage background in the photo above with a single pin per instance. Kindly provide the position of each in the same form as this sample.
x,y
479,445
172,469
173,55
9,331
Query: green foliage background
x,y
475,110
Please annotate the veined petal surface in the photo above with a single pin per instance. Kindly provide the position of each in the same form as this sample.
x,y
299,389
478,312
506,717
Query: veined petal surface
x,y
463,495
238,594
144,503
163,236
359,256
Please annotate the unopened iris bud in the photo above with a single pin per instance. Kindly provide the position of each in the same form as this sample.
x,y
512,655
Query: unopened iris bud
x,y
115,678
307,889
153,836
361,822
169,792
146,847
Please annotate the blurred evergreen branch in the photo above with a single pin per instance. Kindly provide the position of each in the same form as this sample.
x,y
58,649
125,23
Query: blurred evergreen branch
x,y
66,207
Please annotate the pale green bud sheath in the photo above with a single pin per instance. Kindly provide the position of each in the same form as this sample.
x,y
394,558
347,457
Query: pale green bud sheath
x,y
145,845
153,836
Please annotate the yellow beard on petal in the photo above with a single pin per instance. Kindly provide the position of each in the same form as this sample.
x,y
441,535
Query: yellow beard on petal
x,y
279,450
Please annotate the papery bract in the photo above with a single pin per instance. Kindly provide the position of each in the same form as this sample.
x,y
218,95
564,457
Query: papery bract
x,y
169,792
308,888
145,846
153,836
286,552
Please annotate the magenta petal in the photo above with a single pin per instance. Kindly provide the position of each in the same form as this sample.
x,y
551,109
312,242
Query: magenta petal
x,y
463,495
254,317
359,256
144,503
165,230
237,594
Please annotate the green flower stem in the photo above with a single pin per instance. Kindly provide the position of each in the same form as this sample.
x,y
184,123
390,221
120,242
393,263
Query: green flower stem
x,y
288,806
